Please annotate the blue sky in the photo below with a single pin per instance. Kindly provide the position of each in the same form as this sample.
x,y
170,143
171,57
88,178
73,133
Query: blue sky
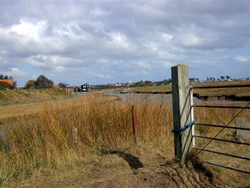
x,y
109,41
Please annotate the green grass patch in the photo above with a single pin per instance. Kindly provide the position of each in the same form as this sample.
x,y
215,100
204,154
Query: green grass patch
x,y
3,96
24,96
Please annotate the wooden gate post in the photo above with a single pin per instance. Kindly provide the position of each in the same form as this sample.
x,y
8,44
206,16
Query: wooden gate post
x,y
182,111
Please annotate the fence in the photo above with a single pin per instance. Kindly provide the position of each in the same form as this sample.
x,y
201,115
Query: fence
x,y
184,125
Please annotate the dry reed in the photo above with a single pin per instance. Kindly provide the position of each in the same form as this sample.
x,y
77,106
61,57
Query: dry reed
x,y
44,139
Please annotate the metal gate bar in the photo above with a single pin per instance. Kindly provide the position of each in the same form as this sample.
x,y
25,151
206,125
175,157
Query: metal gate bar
x,y
227,167
219,139
223,126
221,153
210,106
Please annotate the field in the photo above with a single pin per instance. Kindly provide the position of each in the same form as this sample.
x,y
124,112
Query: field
x,y
87,141
221,93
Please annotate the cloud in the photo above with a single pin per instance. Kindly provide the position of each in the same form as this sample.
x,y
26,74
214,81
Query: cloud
x,y
143,64
116,40
54,63
2,61
15,71
98,12
242,59
27,30
102,61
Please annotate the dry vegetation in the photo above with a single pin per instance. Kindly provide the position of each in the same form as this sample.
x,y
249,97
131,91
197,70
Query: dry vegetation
x,y
44,139
25,96
47,139
239,92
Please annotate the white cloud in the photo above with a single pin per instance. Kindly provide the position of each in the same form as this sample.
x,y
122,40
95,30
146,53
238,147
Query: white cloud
x,y
98,12
152,46
52,60
28,30
3,52
119,40
59,69
143,64
14,71
102,61
167,37
106,76
2,61
23,32
167,55
166,64
242,59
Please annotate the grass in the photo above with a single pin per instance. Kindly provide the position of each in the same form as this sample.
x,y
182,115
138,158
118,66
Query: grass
x,y
154,89
221,92
2,96
24,96
45,139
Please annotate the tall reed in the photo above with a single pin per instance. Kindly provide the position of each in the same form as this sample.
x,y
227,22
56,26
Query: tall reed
x,y
45,140
64,133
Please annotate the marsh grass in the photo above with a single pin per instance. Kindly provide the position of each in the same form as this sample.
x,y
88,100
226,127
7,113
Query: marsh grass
x,y
44,139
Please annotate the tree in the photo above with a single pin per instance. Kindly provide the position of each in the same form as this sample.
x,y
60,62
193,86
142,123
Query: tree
x,y
15,84
191,80
228,77
165,81
43,82
148,83
30,84
5,77
222,77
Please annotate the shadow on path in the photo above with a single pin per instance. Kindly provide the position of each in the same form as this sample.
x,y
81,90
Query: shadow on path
x,y
133,161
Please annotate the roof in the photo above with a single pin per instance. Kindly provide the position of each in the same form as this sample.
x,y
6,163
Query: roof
x,y
65,84
9,81
56,86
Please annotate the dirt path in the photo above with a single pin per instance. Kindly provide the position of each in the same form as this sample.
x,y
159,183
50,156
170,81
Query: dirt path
x,y
138,167
31,108
18,110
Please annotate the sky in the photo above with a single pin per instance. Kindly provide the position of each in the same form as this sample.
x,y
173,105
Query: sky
x,y
110,41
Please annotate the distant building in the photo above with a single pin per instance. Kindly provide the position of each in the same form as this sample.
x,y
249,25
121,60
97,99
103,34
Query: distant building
x,y
77,89
66,87
118,84
56,86
85,88
7,83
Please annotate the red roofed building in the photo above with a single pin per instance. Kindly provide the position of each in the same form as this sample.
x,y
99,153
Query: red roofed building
x,y
56,86
7,83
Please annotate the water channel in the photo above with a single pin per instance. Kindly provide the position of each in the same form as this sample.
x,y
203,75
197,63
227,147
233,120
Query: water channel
x,y
139,97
